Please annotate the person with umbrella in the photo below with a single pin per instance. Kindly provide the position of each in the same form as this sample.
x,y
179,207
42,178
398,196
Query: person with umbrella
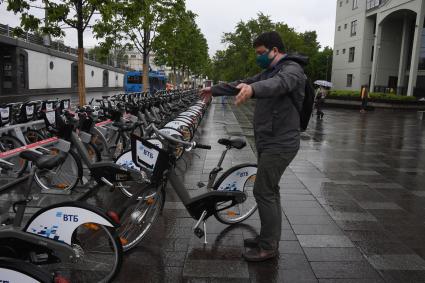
x,y
321,93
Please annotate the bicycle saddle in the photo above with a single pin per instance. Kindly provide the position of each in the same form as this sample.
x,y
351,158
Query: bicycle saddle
x,y
237,143
44,161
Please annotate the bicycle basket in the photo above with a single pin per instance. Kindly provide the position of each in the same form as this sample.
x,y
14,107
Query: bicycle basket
x,y
150,157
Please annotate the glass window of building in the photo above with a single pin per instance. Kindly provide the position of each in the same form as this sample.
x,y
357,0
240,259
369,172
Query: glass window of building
x,y
345,26
355,4
351,54
340,3
343,51
337,52
339,28
370,4
353,28
349,80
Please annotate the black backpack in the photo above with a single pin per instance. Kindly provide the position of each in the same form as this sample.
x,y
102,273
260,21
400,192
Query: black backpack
x,y
308,102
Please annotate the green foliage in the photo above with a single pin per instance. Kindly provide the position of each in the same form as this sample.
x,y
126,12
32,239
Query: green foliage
x,y
373,96
238,59
180,43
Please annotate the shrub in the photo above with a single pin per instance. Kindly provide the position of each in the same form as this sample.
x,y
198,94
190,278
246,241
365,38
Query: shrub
x,y
373,96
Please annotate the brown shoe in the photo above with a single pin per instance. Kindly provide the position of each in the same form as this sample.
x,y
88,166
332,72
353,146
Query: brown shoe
x,y
260,254
251,242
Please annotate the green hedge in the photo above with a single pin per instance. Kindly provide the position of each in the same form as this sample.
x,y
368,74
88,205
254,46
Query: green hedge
x,y
373,96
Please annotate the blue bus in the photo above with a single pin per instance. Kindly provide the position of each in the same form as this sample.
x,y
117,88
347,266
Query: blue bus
x,y
133,81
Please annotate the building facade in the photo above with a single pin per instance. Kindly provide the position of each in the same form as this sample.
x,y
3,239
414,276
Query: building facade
x,y
380,43
27,67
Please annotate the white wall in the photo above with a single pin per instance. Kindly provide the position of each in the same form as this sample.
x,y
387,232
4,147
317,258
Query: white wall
x,y
95,79
115,79
40,75
343,40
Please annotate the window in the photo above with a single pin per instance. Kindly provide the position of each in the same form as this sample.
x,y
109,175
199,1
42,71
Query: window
x,y
371,55
349,80
135,79
346,1
351,54
132,56
339,28
340,4
370,4
345,26
353,28
355,4
21,72
337,52
105,78
51,65
343,51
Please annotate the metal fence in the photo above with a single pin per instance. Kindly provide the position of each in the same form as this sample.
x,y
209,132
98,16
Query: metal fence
x,y
54,45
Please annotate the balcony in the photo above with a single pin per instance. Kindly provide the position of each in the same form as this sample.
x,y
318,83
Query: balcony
x,y
372,4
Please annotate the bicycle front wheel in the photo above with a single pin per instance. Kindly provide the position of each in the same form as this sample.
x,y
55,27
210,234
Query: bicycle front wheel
x,y
138,219
238,178
98,255
65,176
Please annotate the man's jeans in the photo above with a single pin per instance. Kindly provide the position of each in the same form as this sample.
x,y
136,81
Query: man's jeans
x,y
266,192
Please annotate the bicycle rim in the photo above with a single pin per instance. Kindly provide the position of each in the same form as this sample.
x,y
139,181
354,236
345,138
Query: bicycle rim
x,y
64,177
98,255
241,211
139,218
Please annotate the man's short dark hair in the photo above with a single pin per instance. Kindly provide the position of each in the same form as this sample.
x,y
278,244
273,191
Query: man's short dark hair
x,y
269,40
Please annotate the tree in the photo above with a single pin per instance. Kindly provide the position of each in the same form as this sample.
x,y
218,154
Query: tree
x,y
238,59
139,23
75,14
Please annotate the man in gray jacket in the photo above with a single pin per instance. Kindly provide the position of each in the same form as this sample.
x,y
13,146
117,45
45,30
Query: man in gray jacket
x,y
279,91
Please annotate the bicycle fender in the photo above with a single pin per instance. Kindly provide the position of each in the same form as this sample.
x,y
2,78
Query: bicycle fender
x,y
235,178
10,275
58,222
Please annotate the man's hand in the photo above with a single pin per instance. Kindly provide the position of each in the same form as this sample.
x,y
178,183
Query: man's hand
x,y
244,94
205,93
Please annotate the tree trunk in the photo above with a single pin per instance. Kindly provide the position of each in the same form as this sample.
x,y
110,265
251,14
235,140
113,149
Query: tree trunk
x,y
145,72
146,51
81,66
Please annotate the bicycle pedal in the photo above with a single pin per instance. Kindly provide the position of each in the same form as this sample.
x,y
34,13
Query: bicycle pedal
x,y
38,258
199,232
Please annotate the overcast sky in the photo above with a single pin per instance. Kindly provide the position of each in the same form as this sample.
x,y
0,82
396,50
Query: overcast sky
x,y
218,16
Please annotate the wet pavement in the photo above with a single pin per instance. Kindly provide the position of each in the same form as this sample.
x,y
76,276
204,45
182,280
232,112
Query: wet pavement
x,y
353,207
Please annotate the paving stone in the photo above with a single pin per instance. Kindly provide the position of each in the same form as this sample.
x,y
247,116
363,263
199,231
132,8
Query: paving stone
x,y
397,262
350,270
317,230
333,254
323,241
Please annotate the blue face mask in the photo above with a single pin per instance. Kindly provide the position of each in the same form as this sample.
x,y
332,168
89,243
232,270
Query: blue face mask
x,y
263,60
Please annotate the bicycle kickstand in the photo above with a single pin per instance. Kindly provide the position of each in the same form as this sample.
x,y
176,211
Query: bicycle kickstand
x,y
198,231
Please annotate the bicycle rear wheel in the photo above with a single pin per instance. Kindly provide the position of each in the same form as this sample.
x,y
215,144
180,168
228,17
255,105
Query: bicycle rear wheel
x,y
65,176
8,143
138,219
241,178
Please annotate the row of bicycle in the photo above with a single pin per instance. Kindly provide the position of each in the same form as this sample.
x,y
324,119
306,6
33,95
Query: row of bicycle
x,y
76,242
